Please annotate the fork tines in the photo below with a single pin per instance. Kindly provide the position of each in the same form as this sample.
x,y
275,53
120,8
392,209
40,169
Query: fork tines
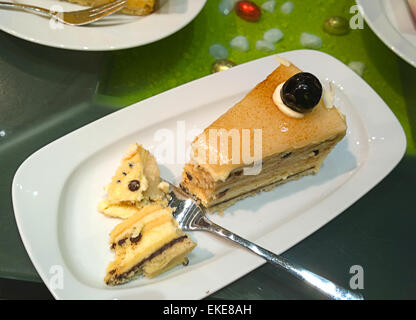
x,y
107,7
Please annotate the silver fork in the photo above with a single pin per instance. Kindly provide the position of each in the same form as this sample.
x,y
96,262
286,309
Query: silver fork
x,y
74,18
191,217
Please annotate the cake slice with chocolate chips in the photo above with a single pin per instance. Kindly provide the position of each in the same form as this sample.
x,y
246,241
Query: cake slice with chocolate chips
x,y
280,131
135,184
149,243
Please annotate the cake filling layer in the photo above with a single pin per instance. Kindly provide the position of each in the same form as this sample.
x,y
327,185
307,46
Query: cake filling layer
x,y
277,167
126,276
226,203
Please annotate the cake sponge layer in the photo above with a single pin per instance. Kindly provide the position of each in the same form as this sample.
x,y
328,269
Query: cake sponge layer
x,y
218,207
280,167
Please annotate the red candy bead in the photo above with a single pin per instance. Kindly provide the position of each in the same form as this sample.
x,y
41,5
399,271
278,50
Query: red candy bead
x,y
248,11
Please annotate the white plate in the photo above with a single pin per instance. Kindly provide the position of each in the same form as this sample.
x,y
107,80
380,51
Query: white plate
x,y
55,191
117,31
392,22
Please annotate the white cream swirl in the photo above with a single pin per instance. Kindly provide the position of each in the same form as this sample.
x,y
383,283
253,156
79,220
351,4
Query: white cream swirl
x,y
277,99
283,61
329,96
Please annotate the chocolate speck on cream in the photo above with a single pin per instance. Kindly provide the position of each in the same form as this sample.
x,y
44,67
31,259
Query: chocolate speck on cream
x,y
134,185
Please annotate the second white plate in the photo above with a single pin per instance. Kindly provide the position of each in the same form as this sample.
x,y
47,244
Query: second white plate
x,y
392,22
115,32
56,190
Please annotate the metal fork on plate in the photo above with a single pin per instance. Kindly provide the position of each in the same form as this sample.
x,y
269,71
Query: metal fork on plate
x,y
74,18
191,217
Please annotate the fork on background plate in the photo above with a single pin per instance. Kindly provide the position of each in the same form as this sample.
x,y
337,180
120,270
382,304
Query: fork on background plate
x,y
191,217
73,18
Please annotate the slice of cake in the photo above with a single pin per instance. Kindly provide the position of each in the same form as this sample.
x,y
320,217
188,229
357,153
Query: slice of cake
x,y
135,184
280,131
149,242
133,7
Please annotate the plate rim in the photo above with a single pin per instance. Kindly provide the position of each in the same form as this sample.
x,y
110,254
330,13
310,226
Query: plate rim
x,y
102,48
401,50
250,261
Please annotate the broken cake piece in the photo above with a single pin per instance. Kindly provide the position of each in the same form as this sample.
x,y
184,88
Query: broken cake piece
x,y
149,243
149,240
135,184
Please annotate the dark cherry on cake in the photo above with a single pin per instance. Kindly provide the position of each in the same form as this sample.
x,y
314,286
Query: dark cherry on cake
x,y
302,92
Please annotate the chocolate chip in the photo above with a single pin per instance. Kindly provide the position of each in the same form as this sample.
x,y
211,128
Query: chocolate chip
x,y
286,155
120,242
222,193
136,239
124,174
189,176
134,185
112,271
118,181
130,165
238,173
315,152
185,262
113,245
184,189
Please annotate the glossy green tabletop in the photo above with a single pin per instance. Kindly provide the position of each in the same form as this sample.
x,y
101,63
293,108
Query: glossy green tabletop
x,y
46,93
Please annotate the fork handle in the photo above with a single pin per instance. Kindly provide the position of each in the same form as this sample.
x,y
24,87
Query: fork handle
x,y
25,6
323,285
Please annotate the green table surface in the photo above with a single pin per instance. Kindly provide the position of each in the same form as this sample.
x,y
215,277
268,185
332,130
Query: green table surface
x,y
46,93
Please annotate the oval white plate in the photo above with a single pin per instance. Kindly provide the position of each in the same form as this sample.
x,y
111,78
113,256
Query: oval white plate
x,y
115,32
392,22
56,190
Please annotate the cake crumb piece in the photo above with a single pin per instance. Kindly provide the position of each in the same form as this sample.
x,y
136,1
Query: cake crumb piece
x,y
164,186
